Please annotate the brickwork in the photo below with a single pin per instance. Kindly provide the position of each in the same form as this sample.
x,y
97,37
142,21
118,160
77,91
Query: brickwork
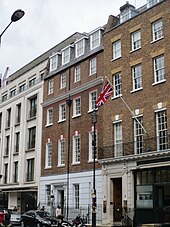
x,y
150,95
81,124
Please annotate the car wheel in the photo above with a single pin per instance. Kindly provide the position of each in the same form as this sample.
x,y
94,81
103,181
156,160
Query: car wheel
x,y
22,224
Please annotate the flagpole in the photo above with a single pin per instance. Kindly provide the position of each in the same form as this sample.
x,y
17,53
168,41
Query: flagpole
x,y
127,106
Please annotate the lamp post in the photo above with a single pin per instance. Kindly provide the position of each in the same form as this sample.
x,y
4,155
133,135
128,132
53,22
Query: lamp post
x,y
17,15
94,121
69,102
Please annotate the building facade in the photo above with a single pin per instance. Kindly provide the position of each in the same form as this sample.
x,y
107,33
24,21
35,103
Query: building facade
x,y
20,144
70,90
135,154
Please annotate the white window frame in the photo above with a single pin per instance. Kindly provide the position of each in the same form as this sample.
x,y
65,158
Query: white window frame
x,y
159,69
92,100
118,140
61,152
138,135
76,196
91,147
95,38
79,48
63,81
49,116
77,74
136,40
62,112
93,66
157,30
161,129
65,54
48,159
76,149
137,77
53,62
126,15
117,84
77,107
151,3
51,86
117,50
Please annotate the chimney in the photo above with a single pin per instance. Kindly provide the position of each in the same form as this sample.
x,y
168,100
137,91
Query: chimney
x,y
112,22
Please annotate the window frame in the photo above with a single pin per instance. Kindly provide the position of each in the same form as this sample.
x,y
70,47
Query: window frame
x,y
118,138
95,39
138,135
77,73
48,156
63,81
53,62
49,117
62,116
61,151
50,86
157,71
117,85
76,196
76,149
136,41
157,34
30,169
117,49
163,129
136,77
65,55
76,108
79,48
92,101
93,66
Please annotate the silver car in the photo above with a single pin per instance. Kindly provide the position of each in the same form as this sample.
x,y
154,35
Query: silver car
x,y
15,218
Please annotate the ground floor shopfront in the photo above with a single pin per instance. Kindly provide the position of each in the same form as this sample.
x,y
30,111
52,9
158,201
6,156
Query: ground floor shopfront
x,y
136,189
23,199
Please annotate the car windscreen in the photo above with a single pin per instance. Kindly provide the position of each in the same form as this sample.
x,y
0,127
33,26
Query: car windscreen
x,y
43,214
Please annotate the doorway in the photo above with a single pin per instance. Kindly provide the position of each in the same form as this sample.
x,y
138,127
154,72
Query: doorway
x,y
117,199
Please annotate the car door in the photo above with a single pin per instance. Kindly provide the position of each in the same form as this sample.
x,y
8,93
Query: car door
x,y
32,220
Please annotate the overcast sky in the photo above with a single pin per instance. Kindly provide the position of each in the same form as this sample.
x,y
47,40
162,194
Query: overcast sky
x,y
48,22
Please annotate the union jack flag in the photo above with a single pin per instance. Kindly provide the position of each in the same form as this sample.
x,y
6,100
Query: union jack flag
x,y
106,92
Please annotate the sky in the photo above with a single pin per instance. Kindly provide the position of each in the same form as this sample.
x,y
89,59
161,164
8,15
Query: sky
x,y
48,22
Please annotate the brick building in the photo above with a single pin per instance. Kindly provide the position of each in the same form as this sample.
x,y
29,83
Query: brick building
x,y
135,154
70,90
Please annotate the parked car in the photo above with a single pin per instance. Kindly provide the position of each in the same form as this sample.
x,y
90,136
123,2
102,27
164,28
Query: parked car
x,y
15,217
37,218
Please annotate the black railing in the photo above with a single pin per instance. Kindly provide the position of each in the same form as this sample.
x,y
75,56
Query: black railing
x,y
134,148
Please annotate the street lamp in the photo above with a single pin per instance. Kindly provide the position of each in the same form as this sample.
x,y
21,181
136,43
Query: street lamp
x,y
69,102
94,121
17,15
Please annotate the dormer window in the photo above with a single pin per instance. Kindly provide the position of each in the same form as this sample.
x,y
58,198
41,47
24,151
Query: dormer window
x,y
53,62
79,47
65,53
151,3
95,39
127,11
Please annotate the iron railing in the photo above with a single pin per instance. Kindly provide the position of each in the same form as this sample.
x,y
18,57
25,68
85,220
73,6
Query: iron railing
x,y
131,148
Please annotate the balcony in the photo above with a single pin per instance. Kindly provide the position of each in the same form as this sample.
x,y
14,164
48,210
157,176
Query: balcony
x,y
152,144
